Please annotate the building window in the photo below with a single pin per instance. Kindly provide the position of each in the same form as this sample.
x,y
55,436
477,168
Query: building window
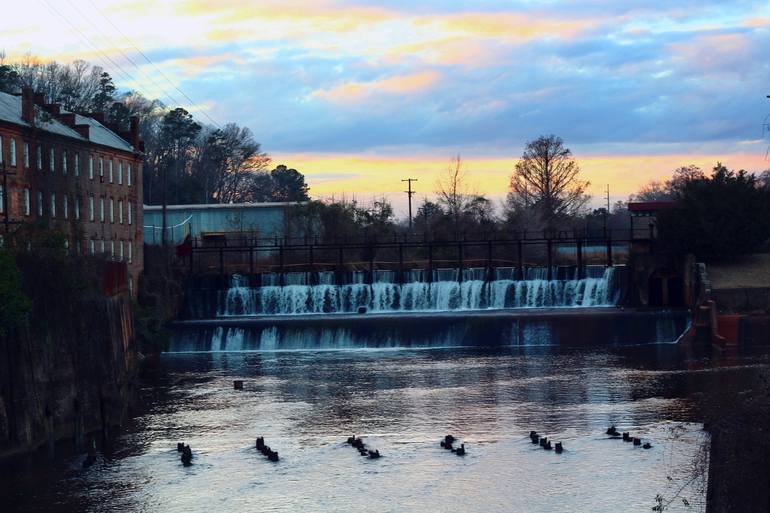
x,y
39,157
25,152
91,167
120,251
120,173
64,162
90,208
120,211
52,160
53,204
2,200
101,208
101,167
112,249
112,211
27,207
101,246
12,149
65,208
77,208
110,170
92,246
77,164
128,175
130,252
40,203
130,212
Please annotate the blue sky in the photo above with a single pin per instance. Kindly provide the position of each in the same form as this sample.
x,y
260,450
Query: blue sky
x,y
358,93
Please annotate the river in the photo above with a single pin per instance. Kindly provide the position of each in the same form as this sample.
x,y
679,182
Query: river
x,y
402,402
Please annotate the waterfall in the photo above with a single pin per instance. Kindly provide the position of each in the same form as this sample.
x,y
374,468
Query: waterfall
x,y
444,293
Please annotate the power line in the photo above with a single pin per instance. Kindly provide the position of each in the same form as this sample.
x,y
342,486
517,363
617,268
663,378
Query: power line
x,y
98,30
104,56
160,72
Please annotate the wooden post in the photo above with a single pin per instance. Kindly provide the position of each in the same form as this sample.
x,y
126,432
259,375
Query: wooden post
x,y
490,273
579,248
340,265
430,262
520,251
460,262
371,264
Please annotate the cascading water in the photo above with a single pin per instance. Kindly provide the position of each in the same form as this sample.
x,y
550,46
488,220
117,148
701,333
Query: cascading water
x,y
444,293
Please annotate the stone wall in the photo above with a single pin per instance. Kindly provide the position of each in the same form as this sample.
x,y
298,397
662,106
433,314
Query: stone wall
x,y
69,378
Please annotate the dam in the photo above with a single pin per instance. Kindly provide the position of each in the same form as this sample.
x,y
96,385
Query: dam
x,y
444,308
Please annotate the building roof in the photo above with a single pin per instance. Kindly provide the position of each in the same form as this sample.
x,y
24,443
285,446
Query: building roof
x,y
10,111
651,206
212,206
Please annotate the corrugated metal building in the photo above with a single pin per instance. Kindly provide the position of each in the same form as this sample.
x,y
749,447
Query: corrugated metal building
x,y
215,222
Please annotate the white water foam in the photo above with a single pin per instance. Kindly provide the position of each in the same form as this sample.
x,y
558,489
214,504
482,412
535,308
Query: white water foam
x,y
298,297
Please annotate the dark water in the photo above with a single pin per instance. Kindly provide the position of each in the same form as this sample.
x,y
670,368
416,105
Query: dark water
x,y
402,402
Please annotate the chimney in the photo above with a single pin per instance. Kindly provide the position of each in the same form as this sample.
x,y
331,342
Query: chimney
x,y
98,116
68,119
39,99
28,105
53,108
83,130
134,132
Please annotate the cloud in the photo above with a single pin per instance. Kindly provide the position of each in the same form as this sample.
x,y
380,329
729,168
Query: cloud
x,y
365,91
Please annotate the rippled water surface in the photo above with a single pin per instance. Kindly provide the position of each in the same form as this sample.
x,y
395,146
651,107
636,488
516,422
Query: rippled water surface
x,y
402,402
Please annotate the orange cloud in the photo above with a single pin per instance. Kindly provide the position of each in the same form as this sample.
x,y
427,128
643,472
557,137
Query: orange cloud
x,y
395,85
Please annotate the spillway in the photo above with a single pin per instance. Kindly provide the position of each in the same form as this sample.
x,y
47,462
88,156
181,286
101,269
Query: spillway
x,y
445,292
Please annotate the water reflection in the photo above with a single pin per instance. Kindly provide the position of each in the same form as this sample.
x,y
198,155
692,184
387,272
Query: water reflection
x,y
402,402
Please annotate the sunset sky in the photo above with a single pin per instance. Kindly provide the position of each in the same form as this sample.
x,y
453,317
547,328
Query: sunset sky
x,y
359,94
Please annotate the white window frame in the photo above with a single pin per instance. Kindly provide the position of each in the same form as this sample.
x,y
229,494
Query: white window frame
x,y
101,209
52,160
77,163
92,246
109,166
101,167
130,252
91,167
120,211
128,176
77,208
53,205
27,204
91,212
39,157
112,211
65,208
25,153
120,172
40,203
12,151
64,162
130,213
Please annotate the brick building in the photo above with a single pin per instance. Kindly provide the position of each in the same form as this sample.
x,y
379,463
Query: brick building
x,y
74,174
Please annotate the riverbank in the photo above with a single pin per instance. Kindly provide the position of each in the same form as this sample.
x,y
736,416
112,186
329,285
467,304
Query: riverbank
x,y
68,363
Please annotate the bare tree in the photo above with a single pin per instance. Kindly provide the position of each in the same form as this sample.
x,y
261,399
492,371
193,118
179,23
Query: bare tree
x,y
453,190
547,179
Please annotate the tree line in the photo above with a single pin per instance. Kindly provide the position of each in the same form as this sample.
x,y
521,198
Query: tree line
x,y
189,162
186,161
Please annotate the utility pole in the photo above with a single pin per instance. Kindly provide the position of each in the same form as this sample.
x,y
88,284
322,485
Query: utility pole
x,y
410,193
607,212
